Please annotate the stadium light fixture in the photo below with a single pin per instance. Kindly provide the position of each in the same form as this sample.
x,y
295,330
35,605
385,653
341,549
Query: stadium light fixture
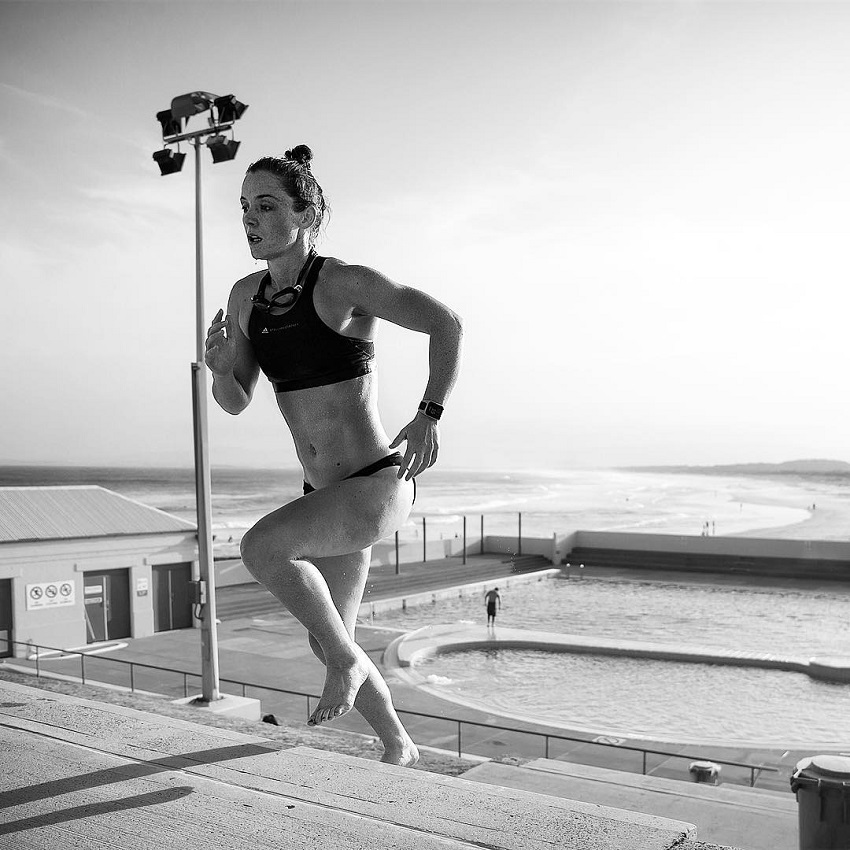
x,y
169,161
228,108
222,148
223,112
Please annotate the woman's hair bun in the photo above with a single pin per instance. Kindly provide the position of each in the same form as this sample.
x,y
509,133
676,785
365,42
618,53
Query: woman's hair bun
x,y
300,154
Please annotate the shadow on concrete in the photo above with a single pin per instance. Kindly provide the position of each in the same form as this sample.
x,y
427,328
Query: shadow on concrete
x,y
123,773
155,798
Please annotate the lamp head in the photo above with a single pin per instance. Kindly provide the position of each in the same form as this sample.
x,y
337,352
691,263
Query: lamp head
x,y
187,105
222,148
229,109
169,161
171,126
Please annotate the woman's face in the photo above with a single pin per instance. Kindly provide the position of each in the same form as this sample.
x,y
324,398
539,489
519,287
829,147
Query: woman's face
x,y
271,224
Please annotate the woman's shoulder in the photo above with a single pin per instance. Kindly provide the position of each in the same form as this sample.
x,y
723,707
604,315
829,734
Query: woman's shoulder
x,y
344,275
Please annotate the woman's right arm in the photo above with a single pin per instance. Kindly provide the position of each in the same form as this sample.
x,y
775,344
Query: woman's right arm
x,y
230,358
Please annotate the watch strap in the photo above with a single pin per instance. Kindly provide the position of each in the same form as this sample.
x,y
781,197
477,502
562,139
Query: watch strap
x,y
431,409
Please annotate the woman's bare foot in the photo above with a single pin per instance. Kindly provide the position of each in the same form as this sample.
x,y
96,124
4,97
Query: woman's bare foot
x,y
403,752
342,682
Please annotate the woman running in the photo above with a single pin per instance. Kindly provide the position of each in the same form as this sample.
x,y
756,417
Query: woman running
x,y
308,324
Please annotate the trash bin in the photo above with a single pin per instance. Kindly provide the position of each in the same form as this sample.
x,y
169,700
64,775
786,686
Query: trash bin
x,y
822,787
704,771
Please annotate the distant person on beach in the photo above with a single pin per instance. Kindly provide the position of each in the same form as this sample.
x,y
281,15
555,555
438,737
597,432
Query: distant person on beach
x,y
308,323
491,597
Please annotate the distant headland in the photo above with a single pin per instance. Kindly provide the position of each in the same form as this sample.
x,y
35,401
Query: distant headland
x,y
791,467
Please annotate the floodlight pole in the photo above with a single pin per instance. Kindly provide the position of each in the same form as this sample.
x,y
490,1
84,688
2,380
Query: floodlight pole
x,y
203,487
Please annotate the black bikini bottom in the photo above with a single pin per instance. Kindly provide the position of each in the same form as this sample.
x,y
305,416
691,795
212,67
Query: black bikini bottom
x,y
395,459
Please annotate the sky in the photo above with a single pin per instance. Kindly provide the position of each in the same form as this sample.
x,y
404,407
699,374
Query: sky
x,y
639,209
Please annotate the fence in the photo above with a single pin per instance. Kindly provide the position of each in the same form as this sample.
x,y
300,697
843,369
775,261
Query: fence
x,y
459,724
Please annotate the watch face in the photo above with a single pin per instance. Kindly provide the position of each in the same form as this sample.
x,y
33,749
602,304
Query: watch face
x,y
433,410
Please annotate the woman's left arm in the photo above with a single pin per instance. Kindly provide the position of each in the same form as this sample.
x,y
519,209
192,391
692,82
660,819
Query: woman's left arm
x,y
374,294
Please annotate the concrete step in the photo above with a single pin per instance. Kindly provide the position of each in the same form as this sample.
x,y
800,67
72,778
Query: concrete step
x,y
727,814
78,774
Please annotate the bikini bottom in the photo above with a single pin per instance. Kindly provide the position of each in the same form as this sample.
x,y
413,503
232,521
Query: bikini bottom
x,y
395,459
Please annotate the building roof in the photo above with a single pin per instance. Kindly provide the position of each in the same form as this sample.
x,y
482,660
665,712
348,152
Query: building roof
x,y
68,512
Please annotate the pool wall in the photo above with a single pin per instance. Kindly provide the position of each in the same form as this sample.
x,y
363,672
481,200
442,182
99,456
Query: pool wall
x,y
435,640
822,559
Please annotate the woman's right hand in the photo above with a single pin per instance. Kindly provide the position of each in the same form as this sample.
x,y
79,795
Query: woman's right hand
x,y
220,354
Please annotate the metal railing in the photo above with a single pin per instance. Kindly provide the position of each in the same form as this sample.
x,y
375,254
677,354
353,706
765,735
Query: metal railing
x,y
755,769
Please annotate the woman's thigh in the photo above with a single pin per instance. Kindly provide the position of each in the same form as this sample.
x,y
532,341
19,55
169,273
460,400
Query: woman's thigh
x,y
340,519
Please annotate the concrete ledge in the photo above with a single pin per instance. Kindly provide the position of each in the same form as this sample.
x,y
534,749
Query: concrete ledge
x,y
230,706
731,815
435,640
78,773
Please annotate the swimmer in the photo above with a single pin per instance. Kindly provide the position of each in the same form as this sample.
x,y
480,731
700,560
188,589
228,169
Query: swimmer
x,y
308,323
490,599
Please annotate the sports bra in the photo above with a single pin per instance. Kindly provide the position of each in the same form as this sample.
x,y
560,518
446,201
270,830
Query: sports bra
x,y
297,350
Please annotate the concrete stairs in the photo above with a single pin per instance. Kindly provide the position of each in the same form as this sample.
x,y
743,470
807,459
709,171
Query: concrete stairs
x,y
251,600
82,774
726,814
703,562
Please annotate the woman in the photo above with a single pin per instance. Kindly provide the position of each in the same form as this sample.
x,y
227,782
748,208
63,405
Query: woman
x,y
308,324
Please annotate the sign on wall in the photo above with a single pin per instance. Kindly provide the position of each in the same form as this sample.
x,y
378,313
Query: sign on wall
x,y
49,594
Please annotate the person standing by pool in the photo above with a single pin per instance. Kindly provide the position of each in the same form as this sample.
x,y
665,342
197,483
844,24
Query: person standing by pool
x,y
308,323
490,599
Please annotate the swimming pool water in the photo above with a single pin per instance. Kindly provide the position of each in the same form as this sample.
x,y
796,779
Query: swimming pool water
x,y
660,700
664,701
796,622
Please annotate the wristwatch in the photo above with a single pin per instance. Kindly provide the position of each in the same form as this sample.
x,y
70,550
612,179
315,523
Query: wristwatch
x,y
431,409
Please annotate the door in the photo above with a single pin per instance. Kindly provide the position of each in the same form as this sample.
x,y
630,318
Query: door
x,y
107,605
172,608
5,617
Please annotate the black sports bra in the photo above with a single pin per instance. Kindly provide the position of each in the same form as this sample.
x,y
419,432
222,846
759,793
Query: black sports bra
x,y
297,350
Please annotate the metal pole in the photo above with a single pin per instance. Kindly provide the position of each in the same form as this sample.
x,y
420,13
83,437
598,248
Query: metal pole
x,y
482,534
209,643
519,544
396,554
424,541
464,540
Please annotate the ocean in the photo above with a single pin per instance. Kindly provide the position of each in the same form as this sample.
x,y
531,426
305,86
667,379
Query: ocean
x,y
788,506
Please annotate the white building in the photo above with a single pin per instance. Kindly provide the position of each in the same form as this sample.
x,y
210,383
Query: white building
x,y
82,564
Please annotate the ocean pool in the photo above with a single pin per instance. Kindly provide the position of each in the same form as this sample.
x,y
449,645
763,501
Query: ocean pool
x,y
638,698
796,622
663,701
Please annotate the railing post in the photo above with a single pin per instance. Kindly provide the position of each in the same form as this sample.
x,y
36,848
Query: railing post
x,y
519,535
37,666
644,763
482,534
396,554
83,667
464,540
546,748
424,541
458,740
185,686
132,678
